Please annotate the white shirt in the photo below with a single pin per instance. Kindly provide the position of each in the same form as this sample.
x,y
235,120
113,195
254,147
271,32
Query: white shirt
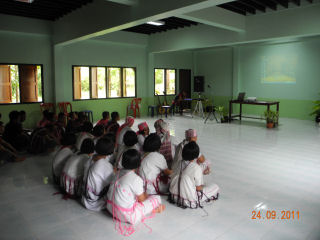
x,y
74,166
121,151
191,177
82,136
100,174
129,186
151,165
60,160
121,135
141,139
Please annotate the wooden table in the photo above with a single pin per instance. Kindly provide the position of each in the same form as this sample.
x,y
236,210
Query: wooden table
x,y
260,103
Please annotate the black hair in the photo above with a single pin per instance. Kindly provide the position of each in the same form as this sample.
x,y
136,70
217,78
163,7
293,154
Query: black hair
x,y
71,114
82,116
105,114
111,136
131,159
130,138
98,130
22,112
1,123
152,143
87,126
14,115
87,146
61,115
68,139
114,115
190,151
104,146
50,116
45,113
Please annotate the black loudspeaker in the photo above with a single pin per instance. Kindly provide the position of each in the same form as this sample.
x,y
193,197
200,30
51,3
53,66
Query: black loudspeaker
x,y
198,84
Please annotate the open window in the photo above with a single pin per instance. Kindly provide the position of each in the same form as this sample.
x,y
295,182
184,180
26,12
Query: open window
x,y
129,82
20,83
90,82
164,81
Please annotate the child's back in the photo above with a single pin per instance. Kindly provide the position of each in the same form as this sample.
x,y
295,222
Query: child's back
x,y
187,188
72,174
100,175
59,161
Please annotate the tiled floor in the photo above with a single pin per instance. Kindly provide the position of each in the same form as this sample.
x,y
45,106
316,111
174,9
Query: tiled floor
x,y
256,169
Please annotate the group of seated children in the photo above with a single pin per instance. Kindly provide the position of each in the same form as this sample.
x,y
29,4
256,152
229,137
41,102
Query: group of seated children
x,y
12,138
126,173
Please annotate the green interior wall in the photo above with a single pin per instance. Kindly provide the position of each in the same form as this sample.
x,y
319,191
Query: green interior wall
x,y
30,49
227,70
100,53
295,99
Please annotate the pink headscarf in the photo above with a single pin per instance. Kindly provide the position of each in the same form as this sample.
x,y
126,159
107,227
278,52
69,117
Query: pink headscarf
x,y
190,133
142,126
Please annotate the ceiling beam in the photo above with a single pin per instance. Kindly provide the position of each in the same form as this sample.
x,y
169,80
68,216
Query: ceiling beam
x,y
243,7
217,17
296,2
107,17
283,3
125,2
257,6
266,3
233,9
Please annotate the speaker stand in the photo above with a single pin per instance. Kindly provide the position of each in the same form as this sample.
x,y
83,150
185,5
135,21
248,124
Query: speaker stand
x,y
198,108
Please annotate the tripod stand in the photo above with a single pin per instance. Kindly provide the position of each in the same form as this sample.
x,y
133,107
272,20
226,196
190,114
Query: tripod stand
x,y
198,108
211,113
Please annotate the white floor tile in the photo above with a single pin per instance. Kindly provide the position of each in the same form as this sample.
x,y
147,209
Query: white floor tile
x,y
276,169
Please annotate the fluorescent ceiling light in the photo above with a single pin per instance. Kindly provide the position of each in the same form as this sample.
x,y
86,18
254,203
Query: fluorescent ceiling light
x,y
25,1
156,23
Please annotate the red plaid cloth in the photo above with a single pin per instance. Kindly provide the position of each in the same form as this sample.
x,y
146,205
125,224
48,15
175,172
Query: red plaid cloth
x,y
165,149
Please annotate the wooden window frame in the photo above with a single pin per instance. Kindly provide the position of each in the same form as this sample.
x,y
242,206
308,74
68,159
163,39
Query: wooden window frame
x,y
107,82
165,81
42,84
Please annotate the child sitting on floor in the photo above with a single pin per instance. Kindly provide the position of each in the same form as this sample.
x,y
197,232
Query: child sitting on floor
x,y
130,140
142,134
86,130
61,157
99,176
7,152
122,131
187,189
154,169
14,134
190,136
166,149
72,173
127,200
98,132
113,125
72,125
105,119
44,120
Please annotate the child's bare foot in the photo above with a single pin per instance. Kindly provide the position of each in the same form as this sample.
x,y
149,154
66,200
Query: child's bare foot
x,y
159,209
